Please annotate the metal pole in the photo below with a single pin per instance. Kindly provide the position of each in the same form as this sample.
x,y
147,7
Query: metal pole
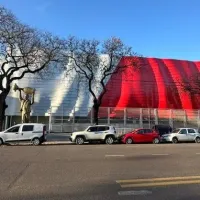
x,y
50,120
62,119
125,113
149,112
109,115
171,118
156,116
91,116
6,123
141,118
185,119
10,120
73,122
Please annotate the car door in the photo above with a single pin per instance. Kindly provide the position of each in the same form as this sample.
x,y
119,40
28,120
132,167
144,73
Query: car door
x,y
149,135
182,135
102,131
12,134
191,134
138,136
26,132
91,133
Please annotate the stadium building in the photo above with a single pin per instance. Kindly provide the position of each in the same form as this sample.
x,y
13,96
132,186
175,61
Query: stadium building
x,y
135,98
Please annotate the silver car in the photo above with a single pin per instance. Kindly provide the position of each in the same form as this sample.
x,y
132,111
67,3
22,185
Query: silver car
x,y
182,135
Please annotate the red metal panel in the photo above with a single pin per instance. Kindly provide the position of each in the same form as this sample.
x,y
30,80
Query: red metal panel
x,y
156,85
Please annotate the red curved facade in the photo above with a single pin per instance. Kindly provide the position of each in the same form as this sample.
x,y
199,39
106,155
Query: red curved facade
x,y
154,85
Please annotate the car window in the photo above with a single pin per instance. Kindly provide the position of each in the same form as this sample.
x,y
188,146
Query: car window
x,y
141,131
13,129
147,131
176,130
27,128
92,129
101,128
107,128
183,131
191,131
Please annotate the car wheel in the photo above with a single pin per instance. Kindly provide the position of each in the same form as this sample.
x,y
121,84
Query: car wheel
x,y
129,141
36,141
175,140
109,140
156,141
197,139
79,140
1,142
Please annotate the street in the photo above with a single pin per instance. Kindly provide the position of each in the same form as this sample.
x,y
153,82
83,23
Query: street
x,y
100,172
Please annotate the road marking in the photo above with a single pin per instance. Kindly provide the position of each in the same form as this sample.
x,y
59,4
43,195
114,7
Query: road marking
x,y
197,153
134,192
160,154
114,155
158,179
161,184
152,182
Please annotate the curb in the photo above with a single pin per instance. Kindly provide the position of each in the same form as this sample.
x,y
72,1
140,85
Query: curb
x,y
57,143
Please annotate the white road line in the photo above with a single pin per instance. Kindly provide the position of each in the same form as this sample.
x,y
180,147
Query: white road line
x,y
114,155
134,192
160,154
197,153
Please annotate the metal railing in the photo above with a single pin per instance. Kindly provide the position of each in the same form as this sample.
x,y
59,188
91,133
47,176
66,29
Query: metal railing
x,y
124,119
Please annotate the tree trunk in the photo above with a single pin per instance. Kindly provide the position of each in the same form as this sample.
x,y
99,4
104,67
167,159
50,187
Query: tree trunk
x,y
96,106
3,107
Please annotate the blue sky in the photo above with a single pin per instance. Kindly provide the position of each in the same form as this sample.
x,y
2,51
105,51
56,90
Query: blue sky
x,y
154,28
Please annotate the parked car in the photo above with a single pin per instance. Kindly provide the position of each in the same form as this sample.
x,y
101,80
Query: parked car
x,y
143,135
182,135
103,133
36,133
162,129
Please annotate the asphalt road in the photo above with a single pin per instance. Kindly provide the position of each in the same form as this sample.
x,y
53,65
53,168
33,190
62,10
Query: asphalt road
x,y
100,172
58,137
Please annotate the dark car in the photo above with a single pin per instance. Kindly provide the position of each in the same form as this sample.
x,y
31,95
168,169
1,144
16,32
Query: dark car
x,y
162,129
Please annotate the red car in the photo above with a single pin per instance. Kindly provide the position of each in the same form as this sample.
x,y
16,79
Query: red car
x,y
142,135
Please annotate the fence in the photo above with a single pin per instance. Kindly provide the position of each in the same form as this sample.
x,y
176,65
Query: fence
x,y
124,119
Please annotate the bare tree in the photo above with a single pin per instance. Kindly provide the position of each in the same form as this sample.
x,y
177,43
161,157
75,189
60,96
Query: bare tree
x,y
22,50
95,62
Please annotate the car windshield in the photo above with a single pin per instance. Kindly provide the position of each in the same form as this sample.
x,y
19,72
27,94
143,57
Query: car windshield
x,y
176,130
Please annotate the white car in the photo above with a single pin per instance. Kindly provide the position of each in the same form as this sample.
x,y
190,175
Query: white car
x,y
34,132
182,135
95,133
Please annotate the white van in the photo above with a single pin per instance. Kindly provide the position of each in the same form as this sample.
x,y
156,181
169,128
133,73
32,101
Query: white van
x,y
34,132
